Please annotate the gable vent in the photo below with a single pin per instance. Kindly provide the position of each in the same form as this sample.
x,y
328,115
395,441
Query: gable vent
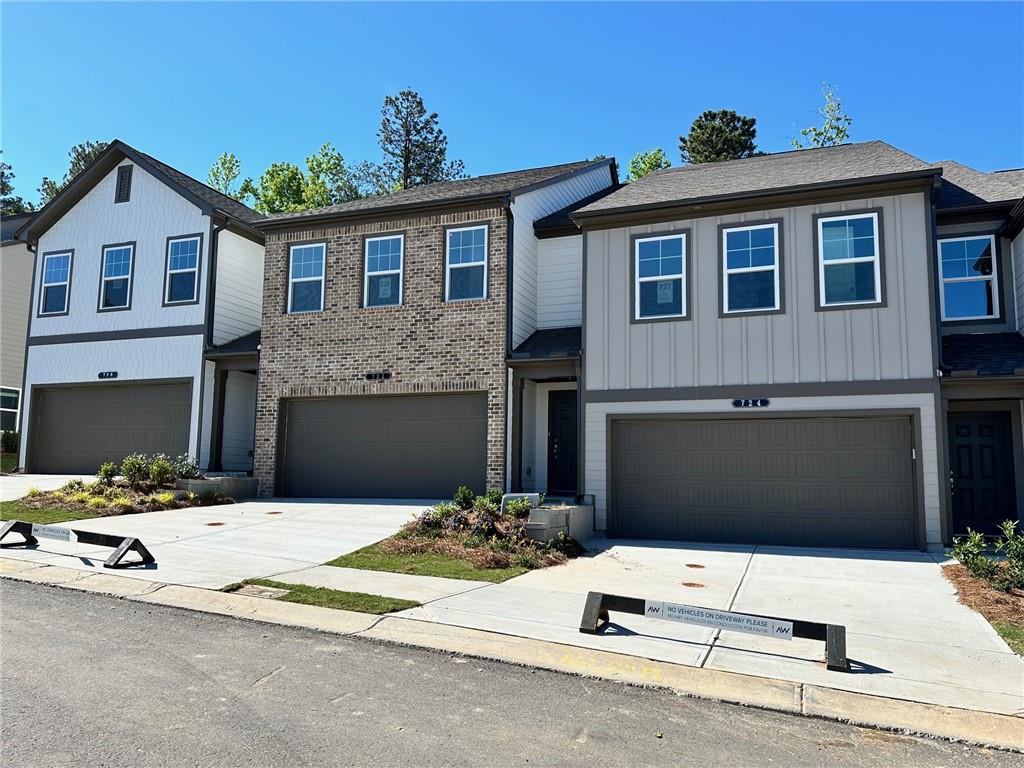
x,y
124,184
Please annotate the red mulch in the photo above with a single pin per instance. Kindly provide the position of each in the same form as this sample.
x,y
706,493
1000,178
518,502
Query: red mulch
x,y
991,603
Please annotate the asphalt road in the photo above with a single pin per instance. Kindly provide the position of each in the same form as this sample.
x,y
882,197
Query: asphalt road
x,y
92,680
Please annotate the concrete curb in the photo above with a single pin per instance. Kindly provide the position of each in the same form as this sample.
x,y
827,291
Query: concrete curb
x,y
981,728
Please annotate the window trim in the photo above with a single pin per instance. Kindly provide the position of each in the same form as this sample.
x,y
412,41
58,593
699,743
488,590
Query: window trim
x,y
724,272
367,239
167,269
485,225
17,411
879,260
288,276
997,303
117,184
634,247
103,279
43,285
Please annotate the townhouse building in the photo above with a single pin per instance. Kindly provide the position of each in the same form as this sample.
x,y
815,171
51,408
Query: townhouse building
x,y
145,312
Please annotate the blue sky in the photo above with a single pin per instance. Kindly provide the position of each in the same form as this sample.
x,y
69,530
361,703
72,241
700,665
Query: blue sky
x,y
516,85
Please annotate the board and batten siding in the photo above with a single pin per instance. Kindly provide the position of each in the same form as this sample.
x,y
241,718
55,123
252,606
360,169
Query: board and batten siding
x,y
560,282
239,424
238,296
15,293
798,345
526,209
1017,263
1007,283
153,213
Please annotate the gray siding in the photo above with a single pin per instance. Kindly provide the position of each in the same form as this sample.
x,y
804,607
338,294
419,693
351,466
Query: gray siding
x,y
797,345
238,298
1009,285
15,296
1017,266
560,282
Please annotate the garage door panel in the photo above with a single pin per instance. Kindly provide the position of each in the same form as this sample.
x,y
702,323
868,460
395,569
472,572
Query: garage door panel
x,y
811,481
417,446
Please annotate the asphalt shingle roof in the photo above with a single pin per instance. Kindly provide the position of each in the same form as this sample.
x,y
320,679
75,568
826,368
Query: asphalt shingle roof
x,y
11,224
990,354
496,184
551,342
762,174
561,220
240,346
965,186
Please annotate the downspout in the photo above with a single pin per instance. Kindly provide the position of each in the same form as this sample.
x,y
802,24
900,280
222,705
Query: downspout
x,y
509,463
256,411
933,270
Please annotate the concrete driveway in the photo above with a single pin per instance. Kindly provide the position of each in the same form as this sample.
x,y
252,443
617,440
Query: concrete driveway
x,y
215,546
15,486
907,635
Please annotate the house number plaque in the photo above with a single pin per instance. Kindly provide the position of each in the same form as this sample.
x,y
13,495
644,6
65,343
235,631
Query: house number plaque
x,y
108,374
760,402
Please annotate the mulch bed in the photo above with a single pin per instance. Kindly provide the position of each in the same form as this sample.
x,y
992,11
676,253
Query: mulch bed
x,y
479,557
991,603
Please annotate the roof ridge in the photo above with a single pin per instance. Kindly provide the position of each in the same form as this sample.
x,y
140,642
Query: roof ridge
x,y
767,155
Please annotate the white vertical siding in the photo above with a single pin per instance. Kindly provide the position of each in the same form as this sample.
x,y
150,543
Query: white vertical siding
x,y
529,440
560,282
526,209
15,294
206,409
239,421
238,296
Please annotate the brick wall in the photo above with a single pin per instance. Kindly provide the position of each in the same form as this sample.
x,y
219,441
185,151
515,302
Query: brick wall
x,y
426,344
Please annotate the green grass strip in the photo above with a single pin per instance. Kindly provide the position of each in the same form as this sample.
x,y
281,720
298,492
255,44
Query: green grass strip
x,y
422,564
15,510
323,597
1013,634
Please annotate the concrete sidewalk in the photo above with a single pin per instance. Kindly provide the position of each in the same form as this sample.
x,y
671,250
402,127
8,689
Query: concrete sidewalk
x,y
15,486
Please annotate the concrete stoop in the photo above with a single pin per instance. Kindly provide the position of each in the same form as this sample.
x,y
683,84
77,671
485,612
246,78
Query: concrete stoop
x,y
976,727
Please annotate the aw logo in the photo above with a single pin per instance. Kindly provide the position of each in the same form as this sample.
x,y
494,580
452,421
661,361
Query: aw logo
x,y
653,609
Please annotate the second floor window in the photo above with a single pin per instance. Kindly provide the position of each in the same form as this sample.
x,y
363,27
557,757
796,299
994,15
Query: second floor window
x,y
306,278
182,281
750,269
466,263
56,285
967,268
382,284
849,260
660,277
116,277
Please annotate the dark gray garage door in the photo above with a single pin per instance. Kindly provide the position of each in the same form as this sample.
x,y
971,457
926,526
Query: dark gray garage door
x,y
416,446
75,429
841,482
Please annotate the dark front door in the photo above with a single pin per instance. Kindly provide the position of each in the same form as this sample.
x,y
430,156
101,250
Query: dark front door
x,y
562,442
981,471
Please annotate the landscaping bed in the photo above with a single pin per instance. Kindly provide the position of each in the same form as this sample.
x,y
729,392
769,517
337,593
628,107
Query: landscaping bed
x,y
329,598
469,537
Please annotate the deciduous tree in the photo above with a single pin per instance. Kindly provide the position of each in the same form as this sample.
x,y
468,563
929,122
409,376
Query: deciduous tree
x,y
645,162
835,123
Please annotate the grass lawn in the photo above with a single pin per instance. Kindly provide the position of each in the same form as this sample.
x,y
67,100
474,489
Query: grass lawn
x,y
15,510
422,564
8,461
1013,634
332,598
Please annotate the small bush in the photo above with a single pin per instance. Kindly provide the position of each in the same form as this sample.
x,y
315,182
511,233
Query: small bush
x,y
518,508
1011,546
435,516
164,498
9,441
106,473
135,469
192,497
464,497
72,486
970,552
32,492
494,495
161,470
97,502
80,497
186,467
123,503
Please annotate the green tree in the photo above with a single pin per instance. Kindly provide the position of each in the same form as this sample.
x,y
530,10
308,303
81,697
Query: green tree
x,y
10,204
328,180
835,123
414,146
645,162
81,155
224,173
719,135
281,188
284,187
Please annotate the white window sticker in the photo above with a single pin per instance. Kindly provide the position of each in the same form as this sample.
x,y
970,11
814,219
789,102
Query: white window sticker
x,y
665,292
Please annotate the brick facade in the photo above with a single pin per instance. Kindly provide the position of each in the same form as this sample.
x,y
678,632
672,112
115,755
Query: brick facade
x,y
426,344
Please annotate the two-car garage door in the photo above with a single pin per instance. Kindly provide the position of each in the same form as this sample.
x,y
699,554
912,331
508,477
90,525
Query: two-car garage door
x,y
842,482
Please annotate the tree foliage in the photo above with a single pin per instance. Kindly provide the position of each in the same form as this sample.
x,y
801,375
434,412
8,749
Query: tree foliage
x,y
645,162
284,187
719,135
224,173
81,155
11,204
835,123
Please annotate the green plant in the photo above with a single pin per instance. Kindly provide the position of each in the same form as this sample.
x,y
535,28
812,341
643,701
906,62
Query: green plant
x,y
80,497
192,497
185,467
163,498
464,497
161,470
494,495
32,492
519,508
1011,546
106,473
970,551
10,441
135,469
123,503
97,502
72,486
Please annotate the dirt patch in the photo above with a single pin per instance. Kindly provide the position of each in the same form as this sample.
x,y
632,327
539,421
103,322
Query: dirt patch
x,y
991,603
694,565
479,557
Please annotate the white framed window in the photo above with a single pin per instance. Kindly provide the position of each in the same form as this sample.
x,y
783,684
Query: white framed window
x,y
466,263
55,288
10,407
750,269
849,260
659,268
306,277
181,283
116,277
967,271
382,270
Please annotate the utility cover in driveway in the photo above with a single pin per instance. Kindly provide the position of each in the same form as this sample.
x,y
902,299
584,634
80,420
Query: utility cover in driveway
x,y
75,429
840,482
397,446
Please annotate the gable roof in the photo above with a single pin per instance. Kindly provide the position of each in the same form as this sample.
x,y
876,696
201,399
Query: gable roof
x,y
11,224
792,171
559,223
206,198
442,193
963,186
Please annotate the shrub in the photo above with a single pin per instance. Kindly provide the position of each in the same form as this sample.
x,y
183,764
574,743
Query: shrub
x,y
186,467
161,470
435,516
135,469
464,497
518,508
163,498
32,492
80,497
97,502
970,552
192,497
106,473
494,495
1011,546
487,515
72,486
9,442
123,503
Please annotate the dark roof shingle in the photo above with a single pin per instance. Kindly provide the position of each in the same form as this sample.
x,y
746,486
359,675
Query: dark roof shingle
x,y
990,354
551,343
964,186
560,222
240,346
11,224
